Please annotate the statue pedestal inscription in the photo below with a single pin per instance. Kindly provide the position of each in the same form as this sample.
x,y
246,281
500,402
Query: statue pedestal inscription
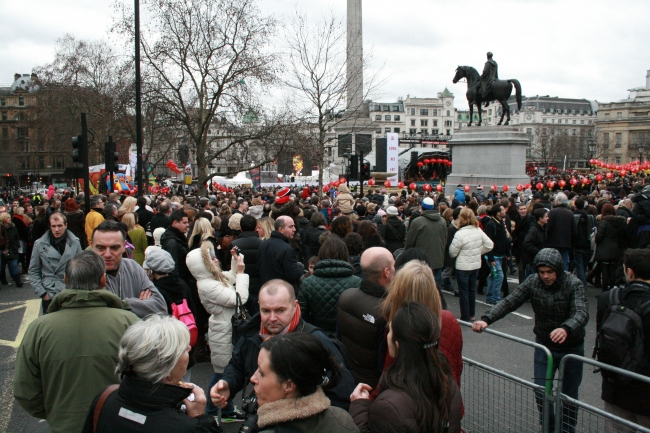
x,y
488,155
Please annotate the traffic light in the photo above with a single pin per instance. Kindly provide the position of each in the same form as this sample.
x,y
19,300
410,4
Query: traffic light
x,y
110,156
365,171
79,149
354,167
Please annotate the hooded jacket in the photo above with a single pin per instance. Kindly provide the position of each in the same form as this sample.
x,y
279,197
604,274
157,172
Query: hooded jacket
x,y
562,305
219,297
344,200
428,232
47,266
68,356
611,238
319,293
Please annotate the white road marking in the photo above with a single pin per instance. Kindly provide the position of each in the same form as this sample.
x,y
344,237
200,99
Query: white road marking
x,y
485,303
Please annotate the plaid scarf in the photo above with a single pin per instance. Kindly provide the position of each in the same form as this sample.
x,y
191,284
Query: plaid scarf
x,y
264,333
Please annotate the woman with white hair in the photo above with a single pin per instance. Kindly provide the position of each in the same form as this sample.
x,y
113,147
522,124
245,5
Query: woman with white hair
x,y
152,359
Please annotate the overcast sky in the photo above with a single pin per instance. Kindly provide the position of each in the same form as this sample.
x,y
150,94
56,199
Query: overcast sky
x,y
591,49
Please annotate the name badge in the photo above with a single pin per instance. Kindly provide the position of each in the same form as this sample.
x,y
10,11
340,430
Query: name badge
x,y
136,417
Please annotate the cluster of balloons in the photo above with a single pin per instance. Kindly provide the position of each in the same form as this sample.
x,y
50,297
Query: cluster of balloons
x,y
221,188
434,161
633,167
335,184
173,167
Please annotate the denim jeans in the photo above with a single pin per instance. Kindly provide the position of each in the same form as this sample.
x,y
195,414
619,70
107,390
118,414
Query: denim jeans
x,y
493,294
210,408
449,279
437,275
570,386
565,257
13,269
467,292
581,259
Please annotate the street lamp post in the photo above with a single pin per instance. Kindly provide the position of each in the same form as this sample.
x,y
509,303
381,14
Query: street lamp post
x,y
591,145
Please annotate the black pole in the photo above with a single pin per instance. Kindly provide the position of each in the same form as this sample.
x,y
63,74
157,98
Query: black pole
x,y
110,153
84,134
138,103
361,173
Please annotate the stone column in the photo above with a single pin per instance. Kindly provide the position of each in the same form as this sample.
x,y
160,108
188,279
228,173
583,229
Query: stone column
x,y
354,56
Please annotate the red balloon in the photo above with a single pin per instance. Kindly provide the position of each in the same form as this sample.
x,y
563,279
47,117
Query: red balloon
x,y
412,186
426,187
506,188
439,187
326,188
539,186
400,185
337,184
371,182
420,164
342,180
520,187
562,183
467,188
599,177
387,184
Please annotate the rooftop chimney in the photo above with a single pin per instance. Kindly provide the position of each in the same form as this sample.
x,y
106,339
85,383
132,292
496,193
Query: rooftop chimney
x,y
647,80
16,76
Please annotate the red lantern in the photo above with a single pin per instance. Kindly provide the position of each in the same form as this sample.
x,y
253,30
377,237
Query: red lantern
x,y
520,187
337,184
549,184
420,164
609,175
326,189
371,182
449,163
342,180
562,183
439,187
623,172
412,186
387,184
427,162
400,185
506,188
539,186
599,177
528,186
426,187
467,188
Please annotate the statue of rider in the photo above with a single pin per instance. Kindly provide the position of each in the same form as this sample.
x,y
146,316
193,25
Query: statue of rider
x,y
490,73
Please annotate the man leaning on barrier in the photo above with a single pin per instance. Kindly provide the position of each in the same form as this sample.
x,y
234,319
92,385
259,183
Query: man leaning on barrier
x,y
559,301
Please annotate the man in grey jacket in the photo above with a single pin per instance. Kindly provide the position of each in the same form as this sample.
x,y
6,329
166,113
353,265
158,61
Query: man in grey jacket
x,y
125,277
49,256
428,232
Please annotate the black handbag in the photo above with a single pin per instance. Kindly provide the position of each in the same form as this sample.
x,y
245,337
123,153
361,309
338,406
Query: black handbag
x,y
239,319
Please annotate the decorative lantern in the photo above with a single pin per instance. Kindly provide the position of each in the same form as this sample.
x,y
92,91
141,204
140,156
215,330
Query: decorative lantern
x,y
400,185
562,183
426,187
326,189
420,164
599,177
439,187
412,186
539,186
371,182
506,188
467,188
520,187
387,184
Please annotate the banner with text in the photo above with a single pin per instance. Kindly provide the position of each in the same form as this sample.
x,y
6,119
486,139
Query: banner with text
x,y
392,156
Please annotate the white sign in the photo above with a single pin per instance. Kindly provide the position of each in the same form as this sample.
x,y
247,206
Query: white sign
x,y
392,156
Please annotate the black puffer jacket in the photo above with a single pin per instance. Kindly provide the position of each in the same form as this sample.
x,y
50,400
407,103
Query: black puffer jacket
x,y
175,243
641,209
611,238
319,294
249,244
562,305
393,233
497,233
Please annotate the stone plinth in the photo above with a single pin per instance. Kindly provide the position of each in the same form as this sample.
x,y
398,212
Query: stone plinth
x,y
488,155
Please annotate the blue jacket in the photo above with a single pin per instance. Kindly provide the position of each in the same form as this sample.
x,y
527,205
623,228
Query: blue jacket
x,y
459,195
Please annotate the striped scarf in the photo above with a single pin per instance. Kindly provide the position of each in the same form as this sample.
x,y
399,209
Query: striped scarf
x,y
264,333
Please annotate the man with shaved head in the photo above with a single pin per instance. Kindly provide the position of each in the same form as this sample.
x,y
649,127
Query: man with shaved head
x,y
276,258
360,322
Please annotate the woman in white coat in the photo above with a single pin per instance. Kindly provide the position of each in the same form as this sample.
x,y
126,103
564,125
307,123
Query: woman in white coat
x,y
218,292
468,246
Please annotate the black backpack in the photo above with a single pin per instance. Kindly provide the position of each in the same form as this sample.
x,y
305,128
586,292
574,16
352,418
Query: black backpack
x,y
620,340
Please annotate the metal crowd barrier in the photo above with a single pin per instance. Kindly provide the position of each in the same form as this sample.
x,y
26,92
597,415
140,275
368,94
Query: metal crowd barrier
x,y
589,418
496,401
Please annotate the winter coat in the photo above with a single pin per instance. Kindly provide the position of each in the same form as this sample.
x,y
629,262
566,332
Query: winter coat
x,y
634,396
77,225
393,233
174,290
249,245
522,225
611,239
452,228
468,246
361,328
451,343
69,355
393,411
276,259
158,220
319,293
144,216
562,305
309,414
47,266
139,241
428,232
632,226
175,243
22,226
534,242
584,224
496,231
13,241
93,219
219,299
641,209
157,402
344,200
561,228
459,194
310,241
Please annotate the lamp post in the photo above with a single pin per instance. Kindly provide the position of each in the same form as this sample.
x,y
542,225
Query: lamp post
x,y
591,145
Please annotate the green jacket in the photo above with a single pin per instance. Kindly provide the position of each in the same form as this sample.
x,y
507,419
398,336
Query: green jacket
x,y
68,356
428,232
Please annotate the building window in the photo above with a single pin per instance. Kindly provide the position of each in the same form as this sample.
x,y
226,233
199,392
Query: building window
x,y
58,162
395,107
424,111
413,131
3,102
21,101
412,111
5,132
387,130
424,122
424,131
543,120
449,132
41,163
396,130
447,122
574,121
618,160
552,120
435,123
4,115
529,131
377,116
606,138
378,130
619,116
23,133
386,108
573,131
448,114
606,116
397,118
412,122
619,139
387,117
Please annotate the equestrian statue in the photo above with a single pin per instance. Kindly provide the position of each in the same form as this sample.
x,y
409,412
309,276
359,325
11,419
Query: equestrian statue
x,y
486,88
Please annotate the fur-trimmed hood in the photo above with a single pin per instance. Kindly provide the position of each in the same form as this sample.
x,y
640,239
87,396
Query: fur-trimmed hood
x,y
291,409
200,264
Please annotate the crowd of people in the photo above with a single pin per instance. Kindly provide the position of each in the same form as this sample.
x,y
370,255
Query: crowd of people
x,y
332,307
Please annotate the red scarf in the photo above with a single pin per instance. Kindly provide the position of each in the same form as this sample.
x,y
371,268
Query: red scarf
x,y
264,333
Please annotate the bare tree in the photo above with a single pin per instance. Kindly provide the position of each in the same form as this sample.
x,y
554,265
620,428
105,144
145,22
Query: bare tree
x,y
318,75
210,60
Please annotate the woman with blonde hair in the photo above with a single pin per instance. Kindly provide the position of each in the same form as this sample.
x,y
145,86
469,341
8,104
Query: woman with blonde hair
x,y
137,235
415,282
264,227
128,206
202,231
467,247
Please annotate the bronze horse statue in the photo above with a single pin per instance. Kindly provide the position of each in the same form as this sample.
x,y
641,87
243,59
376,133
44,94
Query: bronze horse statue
x,y
499,90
